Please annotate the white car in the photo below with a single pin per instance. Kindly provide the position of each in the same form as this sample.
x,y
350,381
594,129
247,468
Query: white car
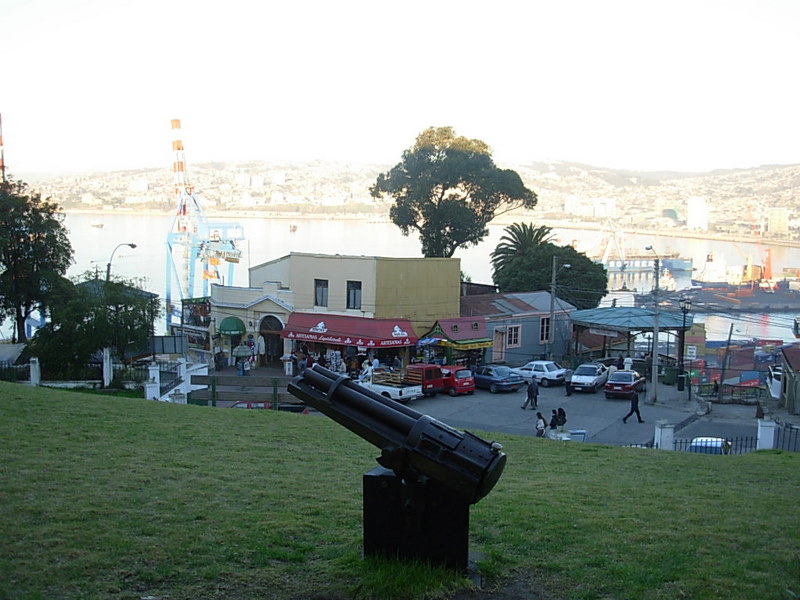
x,y
546,372
589,377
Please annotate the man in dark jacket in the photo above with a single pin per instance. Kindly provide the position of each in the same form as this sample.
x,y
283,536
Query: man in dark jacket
x,y
533,395
634,409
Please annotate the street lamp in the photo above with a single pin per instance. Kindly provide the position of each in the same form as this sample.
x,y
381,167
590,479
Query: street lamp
x,y
108,266
652,391
686,305
551,330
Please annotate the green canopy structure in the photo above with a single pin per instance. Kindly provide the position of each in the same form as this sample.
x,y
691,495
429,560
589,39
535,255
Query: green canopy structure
x,y
231,326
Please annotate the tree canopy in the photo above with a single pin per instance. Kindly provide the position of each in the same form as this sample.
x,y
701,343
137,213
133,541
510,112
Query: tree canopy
x,y
447,188
35,253
95,314
523,262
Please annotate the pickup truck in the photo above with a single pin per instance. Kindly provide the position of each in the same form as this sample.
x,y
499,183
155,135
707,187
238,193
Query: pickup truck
x,y
390,384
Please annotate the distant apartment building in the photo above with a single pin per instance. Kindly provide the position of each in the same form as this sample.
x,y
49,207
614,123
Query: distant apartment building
x,y
604,207
697,213
778,220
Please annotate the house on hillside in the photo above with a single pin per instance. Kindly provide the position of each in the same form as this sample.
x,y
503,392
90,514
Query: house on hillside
x,y
519,325
790,379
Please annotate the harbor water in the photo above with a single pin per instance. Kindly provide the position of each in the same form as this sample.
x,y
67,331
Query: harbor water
x,y
95,236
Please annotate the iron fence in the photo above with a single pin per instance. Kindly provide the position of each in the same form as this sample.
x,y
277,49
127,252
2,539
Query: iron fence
x,y
787,438
169,375
11,372
736,445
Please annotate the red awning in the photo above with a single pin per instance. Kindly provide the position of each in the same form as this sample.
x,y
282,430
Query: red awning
x,y
349,331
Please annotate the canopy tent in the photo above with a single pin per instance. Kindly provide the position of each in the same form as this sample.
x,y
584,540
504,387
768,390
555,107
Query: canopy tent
x,y
626,322
462,333
231,326
629,319
343,330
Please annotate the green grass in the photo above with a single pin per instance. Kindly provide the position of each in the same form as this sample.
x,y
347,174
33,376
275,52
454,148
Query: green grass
x,y
104,497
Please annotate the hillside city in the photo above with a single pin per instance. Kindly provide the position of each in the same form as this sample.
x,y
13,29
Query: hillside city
x,y
737,204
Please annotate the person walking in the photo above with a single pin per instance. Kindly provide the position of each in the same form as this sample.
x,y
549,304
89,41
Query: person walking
x,y
568,382
533,395
541,425
634,409
561,418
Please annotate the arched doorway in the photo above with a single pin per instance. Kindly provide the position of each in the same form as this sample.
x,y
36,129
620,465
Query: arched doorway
x,y
270,329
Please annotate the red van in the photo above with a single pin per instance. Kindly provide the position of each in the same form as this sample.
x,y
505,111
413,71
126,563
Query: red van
x,y
427,375
458,380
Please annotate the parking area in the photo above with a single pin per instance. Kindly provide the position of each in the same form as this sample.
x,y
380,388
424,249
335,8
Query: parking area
x,y
601,418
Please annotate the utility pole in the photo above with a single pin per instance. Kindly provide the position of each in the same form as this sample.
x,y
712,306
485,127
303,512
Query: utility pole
x,y
652,391
552,322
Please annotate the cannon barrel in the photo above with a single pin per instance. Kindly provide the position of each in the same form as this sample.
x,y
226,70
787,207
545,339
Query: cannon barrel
x,y
413,445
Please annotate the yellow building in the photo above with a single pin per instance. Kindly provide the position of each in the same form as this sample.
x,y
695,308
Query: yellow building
x,y
414,292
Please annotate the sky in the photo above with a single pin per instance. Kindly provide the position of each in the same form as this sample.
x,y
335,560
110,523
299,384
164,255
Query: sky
x,y
688,85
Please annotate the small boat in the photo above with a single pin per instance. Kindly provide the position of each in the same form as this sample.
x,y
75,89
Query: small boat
x,y
292,228
796,327
97,224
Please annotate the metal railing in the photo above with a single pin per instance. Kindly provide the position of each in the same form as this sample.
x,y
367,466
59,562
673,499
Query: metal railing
x,y
736,445
787,438
169,375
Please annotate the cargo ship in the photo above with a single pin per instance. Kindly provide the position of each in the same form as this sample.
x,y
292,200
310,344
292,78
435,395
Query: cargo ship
x,y
645,263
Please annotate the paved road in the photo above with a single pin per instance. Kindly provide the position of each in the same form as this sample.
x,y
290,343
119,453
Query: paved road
x,y
601,418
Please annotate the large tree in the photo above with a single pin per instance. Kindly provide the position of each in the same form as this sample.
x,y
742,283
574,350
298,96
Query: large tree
x,y
95,314
447,188
523,262
35,253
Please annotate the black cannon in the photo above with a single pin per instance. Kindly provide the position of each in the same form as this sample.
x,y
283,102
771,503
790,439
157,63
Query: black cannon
x,y
416,505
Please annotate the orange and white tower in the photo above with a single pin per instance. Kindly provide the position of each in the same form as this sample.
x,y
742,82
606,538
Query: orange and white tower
x,y
192,239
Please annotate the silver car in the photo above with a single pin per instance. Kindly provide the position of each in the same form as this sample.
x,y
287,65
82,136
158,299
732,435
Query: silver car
x,y
589,377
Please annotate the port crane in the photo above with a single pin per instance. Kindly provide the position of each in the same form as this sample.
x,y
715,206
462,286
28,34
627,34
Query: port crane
x,y
193,242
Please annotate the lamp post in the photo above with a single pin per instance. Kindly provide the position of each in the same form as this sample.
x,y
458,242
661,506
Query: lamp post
x,y
551,329
108,266
686,306
652,390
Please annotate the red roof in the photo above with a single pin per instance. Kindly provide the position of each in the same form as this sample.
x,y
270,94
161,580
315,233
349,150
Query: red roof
x,y
349,331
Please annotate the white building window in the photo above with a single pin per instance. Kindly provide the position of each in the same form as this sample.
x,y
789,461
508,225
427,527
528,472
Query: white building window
x,y
513,336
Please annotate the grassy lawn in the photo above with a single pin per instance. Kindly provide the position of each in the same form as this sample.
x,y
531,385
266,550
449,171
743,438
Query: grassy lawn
x,y
123,498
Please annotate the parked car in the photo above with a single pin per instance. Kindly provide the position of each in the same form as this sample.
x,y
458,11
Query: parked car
x,y
589,377
710,445
458,380
546,372
624,384
429,376
496,378
250,404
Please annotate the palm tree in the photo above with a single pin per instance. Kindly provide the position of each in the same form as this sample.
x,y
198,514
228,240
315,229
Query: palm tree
x,y
521,240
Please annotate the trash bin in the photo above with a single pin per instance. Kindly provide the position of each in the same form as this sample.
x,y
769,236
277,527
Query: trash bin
x,y
681,382
670,375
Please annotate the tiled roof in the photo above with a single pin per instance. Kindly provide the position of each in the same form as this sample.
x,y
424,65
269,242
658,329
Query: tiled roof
x,y
498,305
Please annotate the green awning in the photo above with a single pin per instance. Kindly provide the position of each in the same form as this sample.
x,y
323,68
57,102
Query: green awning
x,y
231,326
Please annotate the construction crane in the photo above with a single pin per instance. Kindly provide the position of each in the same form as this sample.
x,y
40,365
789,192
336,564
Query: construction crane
x,y
193,241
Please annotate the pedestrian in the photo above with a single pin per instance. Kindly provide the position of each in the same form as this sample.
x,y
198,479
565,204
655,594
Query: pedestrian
x,y
568,382
620,363
634,409
561,418
628,362
532,397
554,420
541,425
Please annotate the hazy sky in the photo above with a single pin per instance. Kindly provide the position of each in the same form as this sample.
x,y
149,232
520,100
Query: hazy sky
x,y
678,84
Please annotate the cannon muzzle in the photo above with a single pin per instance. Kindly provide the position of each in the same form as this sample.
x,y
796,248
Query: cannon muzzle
x,y
413,445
